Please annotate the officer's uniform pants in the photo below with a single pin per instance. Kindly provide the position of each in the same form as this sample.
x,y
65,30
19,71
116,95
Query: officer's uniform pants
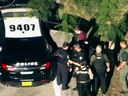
x,y
100,80
84,89
62,75
124,77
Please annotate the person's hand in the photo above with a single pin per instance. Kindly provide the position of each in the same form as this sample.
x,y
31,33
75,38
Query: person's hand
x,y
108,69
0,48
70,69
86,42
118,68
70,61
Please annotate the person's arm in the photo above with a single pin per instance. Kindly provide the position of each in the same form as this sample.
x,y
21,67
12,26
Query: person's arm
x,y
124,56
90,74
121,65
109,44
76,69
107,62
108,67
75,63
92,59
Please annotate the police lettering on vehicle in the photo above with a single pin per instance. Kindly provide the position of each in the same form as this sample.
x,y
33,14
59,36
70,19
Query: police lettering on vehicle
x,y
27,64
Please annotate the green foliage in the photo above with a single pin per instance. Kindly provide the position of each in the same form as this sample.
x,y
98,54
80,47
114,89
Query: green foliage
x,y
71,12
43,7
103,10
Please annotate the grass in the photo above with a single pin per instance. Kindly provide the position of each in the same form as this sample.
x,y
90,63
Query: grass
x,y
115,86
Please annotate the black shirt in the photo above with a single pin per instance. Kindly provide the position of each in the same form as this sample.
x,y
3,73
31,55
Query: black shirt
x,y
79,56
61,55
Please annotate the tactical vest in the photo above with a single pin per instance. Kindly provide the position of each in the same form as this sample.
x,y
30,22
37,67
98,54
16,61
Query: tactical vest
x,y
82,74
99,62
120,53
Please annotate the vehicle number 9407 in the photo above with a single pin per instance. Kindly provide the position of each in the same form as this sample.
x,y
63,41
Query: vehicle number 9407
x,y
25,27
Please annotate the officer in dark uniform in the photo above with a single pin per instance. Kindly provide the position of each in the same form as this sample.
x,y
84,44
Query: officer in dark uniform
x,y
83,78
78,56
99,64
123,66
62,67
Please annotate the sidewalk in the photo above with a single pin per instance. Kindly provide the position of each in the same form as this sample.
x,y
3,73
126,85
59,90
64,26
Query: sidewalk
x,y
70,92
59,39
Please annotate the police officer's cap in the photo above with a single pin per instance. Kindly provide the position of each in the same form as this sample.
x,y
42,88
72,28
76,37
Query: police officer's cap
x,y
65,44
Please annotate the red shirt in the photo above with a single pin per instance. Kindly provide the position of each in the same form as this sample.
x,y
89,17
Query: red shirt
x,y
81,36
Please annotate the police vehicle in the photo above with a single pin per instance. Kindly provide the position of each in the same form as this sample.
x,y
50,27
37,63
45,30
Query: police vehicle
x,y
26,55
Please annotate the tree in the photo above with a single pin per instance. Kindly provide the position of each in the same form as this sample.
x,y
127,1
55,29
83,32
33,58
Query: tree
x,y
44,7
108,13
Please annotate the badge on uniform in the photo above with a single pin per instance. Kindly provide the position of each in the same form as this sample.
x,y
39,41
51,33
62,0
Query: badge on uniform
x,y
80,58
67,56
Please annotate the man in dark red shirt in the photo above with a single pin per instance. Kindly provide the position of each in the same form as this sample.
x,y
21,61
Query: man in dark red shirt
x,y
81,35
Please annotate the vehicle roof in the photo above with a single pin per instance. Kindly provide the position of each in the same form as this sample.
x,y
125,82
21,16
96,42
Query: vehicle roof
x,y
15,10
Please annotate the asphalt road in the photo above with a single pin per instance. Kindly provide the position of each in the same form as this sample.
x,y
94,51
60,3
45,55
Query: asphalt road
x,y
50,89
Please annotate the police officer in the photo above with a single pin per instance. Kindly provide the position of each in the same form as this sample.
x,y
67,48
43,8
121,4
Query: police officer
x,y
110,54
79,55
62,67
123,67
82,41
100,64
83,77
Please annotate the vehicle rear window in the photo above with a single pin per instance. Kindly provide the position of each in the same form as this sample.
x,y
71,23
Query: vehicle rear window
x,y
28,45
20,14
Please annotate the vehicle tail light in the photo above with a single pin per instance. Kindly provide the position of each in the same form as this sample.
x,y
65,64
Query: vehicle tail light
x,y
45,66
7,67
42,80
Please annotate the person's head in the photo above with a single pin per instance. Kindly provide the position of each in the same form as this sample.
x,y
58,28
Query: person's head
x,y
98,49
84,63
123,43
77,47
65,45
77,30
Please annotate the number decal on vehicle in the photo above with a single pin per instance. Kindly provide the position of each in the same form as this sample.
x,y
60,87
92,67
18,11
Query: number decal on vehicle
x,y
20,27
26,27
12,28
